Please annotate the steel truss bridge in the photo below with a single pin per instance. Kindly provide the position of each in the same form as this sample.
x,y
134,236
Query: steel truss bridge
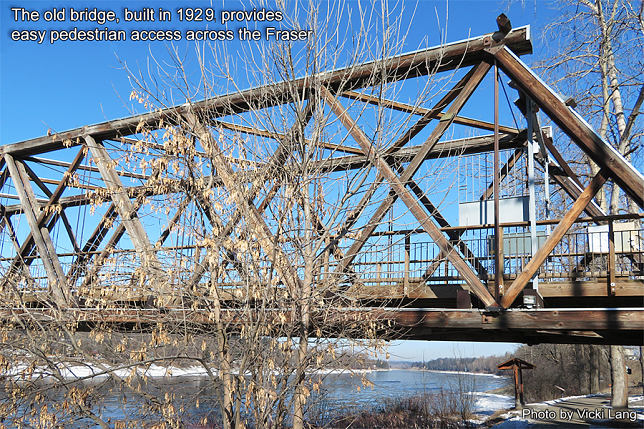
x,y
431,280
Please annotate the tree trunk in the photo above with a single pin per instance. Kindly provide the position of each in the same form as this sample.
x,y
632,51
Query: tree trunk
x,y
619,383
227,409
595,369
301,392
642,368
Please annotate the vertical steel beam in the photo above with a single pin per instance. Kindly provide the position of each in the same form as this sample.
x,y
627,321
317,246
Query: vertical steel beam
x,y
532,203
498,243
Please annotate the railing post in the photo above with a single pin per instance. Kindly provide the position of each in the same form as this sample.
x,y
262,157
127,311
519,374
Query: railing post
x,y
379,272
407,261
611,259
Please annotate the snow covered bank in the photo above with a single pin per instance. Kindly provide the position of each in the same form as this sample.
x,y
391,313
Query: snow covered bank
x,y
79,371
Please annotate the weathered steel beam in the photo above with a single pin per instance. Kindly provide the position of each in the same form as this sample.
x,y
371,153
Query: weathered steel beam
x,y
398,186
419,63
555,237
280,137
617,167
60,291
419,110
597,325
464,93
129,220
572,289
631,319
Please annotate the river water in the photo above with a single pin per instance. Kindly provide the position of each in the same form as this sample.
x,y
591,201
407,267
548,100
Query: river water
x,y
341,393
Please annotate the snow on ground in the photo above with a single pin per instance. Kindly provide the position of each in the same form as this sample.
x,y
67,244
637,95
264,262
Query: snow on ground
x,y
487,404
513,418
565,398
93,371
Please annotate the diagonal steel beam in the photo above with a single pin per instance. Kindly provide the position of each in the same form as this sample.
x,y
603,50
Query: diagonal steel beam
x,y
6,222
406,196
48,211
278,158
175,218
419,110
619,169
476,76
92,243
60,291
113,241
129,220
555,237
254,218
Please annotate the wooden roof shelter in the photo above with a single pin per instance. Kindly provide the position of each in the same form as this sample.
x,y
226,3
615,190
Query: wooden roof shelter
x,y
516,365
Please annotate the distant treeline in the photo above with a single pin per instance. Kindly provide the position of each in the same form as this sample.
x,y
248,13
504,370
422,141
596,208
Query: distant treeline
x,y
487,364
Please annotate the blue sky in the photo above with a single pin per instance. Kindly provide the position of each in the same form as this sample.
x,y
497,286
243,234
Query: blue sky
x,y
71,84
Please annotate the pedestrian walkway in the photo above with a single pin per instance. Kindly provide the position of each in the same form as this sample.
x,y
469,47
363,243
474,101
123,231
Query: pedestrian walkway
x,y
584,411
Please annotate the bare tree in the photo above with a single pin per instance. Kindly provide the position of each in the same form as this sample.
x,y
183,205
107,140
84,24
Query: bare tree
x,y
598,45
260,221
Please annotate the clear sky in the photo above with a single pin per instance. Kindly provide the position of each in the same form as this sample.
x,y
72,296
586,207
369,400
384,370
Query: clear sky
x,y
70,84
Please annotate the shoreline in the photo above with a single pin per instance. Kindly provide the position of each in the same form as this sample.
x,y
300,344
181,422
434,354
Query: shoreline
x,y
89,372
463,373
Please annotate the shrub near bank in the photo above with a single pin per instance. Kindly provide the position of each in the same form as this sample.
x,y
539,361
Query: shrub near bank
x,y
445,409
